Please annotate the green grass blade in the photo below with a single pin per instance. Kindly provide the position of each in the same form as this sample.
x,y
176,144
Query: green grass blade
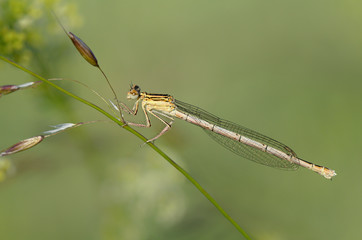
x,y
140,136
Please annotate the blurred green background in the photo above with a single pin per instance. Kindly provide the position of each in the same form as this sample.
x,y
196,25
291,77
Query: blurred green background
x,y
288,69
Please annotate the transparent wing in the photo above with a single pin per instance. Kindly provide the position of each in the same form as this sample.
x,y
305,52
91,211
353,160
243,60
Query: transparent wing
x,y
239,148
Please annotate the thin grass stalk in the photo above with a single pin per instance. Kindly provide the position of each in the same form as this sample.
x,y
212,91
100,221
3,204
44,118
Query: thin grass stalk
x,y
140,136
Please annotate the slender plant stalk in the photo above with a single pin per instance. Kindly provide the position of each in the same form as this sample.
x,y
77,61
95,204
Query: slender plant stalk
x,y
140,136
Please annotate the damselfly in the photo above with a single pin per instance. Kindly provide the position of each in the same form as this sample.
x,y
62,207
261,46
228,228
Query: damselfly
x,y
240,140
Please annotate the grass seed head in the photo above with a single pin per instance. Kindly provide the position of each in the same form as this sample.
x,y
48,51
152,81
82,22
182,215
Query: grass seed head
x,y
84,50
6,89
22,145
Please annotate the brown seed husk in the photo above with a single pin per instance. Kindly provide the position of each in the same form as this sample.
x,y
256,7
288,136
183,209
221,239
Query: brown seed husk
x,y
6,89
84,50
22,145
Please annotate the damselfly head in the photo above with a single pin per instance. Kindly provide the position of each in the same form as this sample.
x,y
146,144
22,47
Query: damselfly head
x,y
134,92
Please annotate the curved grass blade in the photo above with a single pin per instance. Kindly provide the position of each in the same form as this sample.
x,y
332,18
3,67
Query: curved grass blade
x,y
140,136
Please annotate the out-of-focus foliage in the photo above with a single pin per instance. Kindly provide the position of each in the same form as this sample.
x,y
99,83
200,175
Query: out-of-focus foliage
x,y
5,168
27,28
141,197
24,22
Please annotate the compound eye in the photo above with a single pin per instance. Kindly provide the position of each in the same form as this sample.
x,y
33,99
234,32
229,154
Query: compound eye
x,y
137,88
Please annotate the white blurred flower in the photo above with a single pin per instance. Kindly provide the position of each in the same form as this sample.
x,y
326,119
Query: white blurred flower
x,y
145,192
